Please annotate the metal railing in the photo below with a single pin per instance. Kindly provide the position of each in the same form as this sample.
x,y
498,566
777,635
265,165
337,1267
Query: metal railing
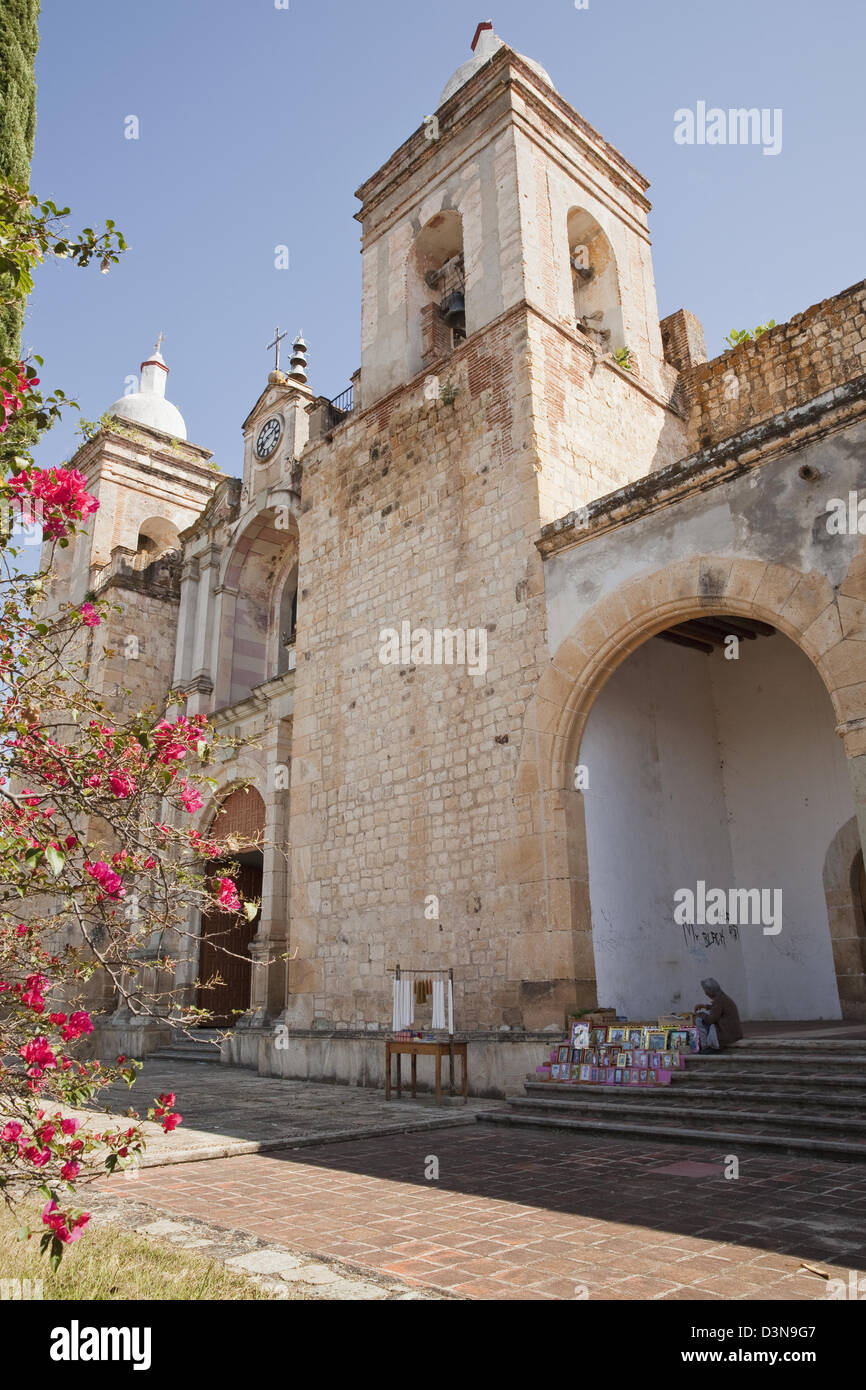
x,y
345,402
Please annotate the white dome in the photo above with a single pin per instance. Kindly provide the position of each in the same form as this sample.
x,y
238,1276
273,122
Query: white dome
x,y
488,43
148,406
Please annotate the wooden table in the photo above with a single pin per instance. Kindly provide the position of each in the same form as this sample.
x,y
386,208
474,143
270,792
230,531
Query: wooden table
x,y
415,1048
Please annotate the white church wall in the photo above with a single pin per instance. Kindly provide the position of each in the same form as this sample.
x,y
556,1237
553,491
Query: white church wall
x,y
788,793
655,822
722,772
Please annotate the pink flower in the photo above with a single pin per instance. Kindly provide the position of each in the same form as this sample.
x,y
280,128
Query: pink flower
x,y
122,784
62,492
227,895
79,1023
69,1126
70,1171
38,1053
33,995
38,1157
191,798
171,1122
60,1224
10,1132
105,876
89,615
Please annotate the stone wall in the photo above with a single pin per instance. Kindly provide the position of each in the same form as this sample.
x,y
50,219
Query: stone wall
x,y
812,353
402,776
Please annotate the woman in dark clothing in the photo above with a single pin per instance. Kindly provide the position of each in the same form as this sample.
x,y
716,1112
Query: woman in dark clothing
x,y
718,1023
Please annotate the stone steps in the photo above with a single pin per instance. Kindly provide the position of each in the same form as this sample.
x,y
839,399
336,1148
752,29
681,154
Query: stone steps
x,y
794,1097
721,1138
848,1096
205,1047
652,1110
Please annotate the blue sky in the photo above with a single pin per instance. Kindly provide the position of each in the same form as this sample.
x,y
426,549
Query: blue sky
x,y
257,124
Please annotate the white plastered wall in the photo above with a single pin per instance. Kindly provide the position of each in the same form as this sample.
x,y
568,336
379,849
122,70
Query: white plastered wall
x,y
728,772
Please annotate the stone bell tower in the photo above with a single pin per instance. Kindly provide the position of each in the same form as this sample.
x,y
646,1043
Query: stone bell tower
x,y
507,198
151,483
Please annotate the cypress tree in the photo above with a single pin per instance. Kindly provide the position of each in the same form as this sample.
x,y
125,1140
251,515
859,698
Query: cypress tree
x,y
19,40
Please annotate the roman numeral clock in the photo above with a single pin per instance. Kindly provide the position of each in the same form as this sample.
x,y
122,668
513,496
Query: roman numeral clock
x,y
268,438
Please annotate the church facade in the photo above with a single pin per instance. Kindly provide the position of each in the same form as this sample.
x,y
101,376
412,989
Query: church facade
x,y
546,645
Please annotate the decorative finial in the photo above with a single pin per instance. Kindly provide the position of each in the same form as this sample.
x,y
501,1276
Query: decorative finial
x,y
485,24
298,368
278,338
158,345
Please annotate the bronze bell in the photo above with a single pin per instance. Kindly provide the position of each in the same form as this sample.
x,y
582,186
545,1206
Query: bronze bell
x,y
454,309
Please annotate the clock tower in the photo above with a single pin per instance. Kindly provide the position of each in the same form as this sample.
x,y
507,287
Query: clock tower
x,y
277,427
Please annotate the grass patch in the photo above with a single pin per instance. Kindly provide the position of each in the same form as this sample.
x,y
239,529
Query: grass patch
x,y
111,1263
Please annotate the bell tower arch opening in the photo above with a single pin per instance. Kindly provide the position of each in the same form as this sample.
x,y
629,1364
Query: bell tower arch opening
x,y
595,282
436,289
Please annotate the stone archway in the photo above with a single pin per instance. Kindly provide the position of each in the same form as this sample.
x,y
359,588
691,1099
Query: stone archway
x,y
553,858
224,942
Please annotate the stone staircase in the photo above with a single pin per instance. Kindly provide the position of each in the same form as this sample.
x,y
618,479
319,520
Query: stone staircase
x,y
793,1096
204,1046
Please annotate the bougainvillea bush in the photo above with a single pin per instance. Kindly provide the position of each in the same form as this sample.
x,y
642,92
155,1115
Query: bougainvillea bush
x,y
100,862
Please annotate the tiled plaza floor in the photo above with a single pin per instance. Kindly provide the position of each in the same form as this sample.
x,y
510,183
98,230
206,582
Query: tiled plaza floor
x,y
517,1215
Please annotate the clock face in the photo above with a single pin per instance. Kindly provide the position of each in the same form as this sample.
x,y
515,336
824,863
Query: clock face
x,y
269,436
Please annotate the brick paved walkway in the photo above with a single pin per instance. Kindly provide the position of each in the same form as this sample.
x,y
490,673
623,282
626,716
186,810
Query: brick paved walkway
x,y
538,1215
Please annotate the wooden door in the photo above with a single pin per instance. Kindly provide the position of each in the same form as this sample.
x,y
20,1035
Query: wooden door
x,y
223,952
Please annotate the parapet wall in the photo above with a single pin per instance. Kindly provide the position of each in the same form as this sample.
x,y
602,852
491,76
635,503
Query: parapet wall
x,y
813,352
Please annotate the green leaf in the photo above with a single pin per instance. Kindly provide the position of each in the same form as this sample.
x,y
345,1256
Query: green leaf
x,y
56,860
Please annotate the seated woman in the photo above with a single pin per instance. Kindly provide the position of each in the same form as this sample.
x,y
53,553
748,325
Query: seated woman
x,y
718,1023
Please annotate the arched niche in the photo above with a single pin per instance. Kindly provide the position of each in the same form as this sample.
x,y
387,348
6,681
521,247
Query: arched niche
x,y
436,278
261,559
156,537
595,282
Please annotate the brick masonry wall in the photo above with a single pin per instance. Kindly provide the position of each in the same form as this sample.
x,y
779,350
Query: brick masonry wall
x,y
402,777
813,352
596,428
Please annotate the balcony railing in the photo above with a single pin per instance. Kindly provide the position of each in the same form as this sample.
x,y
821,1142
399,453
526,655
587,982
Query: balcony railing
x,y
345,402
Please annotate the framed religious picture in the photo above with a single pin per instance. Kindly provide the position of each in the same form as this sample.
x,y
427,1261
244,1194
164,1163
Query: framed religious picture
x,y
652,1076
694,1040
634,1036
657,1041
622,1059
643,1074
679,1038
564,1053
667,1061
616,1035
617,1076
635,1076
610,1075
655,1060
593,1075
580,1035
626,1076
585,1072
554,1071
598,1036
641,1058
